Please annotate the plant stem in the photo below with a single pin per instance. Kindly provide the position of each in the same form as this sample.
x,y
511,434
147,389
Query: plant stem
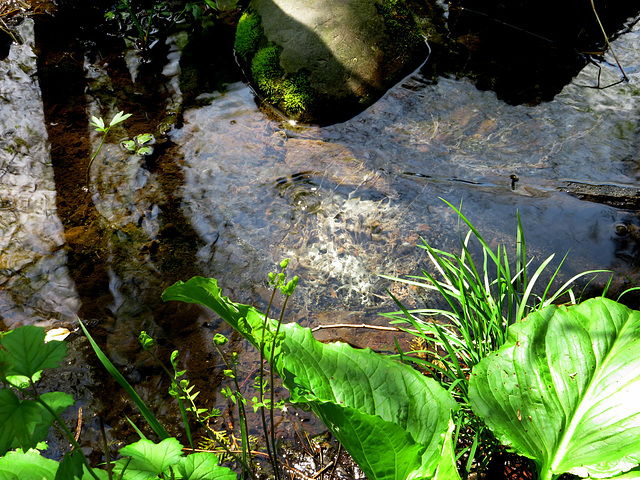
x,y
181,393
104,136
244,429
271,381
107,455
270,447
135,20
151,14
606,40
65,429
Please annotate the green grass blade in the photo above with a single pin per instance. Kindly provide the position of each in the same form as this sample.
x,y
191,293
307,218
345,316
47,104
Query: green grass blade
x,y
456,371
527,293
521,258
113,371
135,427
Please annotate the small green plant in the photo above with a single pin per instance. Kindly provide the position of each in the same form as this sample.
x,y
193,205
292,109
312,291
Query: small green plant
x,y
181,389
142,24
560,390
99,126
26,418
394,421
141,145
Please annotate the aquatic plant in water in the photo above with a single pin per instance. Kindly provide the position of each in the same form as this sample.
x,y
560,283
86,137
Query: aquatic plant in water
x,y
141,145
394,421
559,390
99,126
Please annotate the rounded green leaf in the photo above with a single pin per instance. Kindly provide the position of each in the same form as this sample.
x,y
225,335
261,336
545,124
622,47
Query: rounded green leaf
x,y
148,459
564,389
204,466
29,353
28,465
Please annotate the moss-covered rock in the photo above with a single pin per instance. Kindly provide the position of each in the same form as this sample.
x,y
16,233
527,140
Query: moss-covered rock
x,y
323,61
248,35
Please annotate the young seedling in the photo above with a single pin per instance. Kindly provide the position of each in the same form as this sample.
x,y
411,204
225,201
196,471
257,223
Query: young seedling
x,y
141,145
98,124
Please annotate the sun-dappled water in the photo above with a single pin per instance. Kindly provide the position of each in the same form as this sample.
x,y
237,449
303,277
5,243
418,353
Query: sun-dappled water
x,y
231,190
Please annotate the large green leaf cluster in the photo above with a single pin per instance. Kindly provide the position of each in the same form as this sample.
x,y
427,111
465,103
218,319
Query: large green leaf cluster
x,y
390,418
25,422
562,391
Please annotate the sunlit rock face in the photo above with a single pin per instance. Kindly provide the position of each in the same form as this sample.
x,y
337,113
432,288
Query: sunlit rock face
x,y
324,61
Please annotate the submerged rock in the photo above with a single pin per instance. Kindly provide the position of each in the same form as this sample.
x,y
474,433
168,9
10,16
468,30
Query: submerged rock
x,y
323,61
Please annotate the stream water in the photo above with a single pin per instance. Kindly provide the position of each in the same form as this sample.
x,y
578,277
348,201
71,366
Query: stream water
x,y
230,191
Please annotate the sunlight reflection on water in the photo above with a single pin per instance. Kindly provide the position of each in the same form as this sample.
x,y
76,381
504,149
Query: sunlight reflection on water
x,y
34,283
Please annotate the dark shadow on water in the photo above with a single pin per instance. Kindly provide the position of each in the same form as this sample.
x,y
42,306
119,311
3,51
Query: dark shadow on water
x,y
526,51
120,269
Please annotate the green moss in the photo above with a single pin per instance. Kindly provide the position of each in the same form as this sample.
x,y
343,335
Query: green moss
x,y
400,24
297,95
248,35
291,93
267,73
266,63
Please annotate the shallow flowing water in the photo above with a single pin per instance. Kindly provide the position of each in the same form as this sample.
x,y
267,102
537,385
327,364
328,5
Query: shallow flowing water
x,y
229,192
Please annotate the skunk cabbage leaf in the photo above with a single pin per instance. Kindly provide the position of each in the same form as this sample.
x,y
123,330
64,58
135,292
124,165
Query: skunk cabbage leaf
x,y
389,417
564,390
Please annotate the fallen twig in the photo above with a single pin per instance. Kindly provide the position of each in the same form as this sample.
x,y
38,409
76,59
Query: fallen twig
x,y
361,325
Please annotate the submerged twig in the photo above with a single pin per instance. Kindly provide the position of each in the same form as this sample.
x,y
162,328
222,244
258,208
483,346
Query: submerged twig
x,y
606,39
362,325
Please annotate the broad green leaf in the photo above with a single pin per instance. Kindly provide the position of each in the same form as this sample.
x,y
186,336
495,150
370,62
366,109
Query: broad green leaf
x,y
71,467
563,390
18,421
28,465
633,474
58,402
447,468
5,363
388,416
101,474
203,466
29,354
148,459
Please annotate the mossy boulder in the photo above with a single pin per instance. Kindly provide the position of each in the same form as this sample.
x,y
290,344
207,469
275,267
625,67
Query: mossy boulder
x,y
323,61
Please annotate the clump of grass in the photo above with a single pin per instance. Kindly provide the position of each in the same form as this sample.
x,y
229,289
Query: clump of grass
x,y
483,297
